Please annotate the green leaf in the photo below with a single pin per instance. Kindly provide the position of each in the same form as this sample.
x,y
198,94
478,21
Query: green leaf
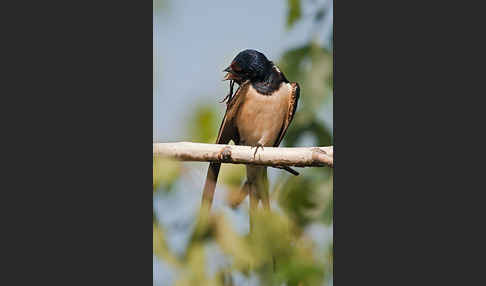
x,y
165,173
294,12
203,126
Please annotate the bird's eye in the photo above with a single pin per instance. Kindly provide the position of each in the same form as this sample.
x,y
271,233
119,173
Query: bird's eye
x,y
236,67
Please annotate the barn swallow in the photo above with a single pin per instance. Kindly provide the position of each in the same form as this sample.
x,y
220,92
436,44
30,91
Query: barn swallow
x,y
257,115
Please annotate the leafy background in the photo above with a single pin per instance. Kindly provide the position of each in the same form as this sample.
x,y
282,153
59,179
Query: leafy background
x,y
193,43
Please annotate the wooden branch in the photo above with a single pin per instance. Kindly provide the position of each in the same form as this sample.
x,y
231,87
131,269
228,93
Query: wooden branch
x,y
236,154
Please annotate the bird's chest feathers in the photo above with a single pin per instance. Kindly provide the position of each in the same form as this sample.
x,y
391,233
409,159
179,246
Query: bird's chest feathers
x,y
260,117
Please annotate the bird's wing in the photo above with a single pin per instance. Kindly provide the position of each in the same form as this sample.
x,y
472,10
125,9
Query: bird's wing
x,y
293,99
227,130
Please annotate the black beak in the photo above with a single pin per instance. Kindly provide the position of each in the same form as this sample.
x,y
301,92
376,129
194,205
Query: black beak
x,y
228,69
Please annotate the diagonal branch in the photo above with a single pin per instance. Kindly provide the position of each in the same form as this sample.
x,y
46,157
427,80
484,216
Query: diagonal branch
x,y
236,154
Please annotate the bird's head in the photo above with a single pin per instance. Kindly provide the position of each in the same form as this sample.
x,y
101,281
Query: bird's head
x,y
249,65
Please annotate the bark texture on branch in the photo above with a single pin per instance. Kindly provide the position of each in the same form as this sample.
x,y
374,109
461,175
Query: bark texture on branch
x,y
236,154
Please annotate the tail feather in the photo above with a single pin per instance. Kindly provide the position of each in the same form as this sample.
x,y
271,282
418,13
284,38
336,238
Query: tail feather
x,y
236,198
210,185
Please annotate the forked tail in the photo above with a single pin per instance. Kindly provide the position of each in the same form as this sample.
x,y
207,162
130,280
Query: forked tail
x,y
210,185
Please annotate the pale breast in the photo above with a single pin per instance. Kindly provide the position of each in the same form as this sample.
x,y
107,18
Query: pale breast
x,y
260,117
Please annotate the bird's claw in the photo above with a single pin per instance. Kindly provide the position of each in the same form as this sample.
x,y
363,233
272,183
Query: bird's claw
x,y
224,154
259,145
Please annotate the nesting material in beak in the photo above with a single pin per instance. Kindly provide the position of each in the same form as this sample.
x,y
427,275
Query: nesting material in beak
x,y
230,94
227,76
231,76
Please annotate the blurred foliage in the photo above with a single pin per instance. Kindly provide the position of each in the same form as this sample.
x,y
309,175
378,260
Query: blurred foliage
x,y
274,240
165,173
294,12
280,251
310,66
160,247
160,5
204,125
